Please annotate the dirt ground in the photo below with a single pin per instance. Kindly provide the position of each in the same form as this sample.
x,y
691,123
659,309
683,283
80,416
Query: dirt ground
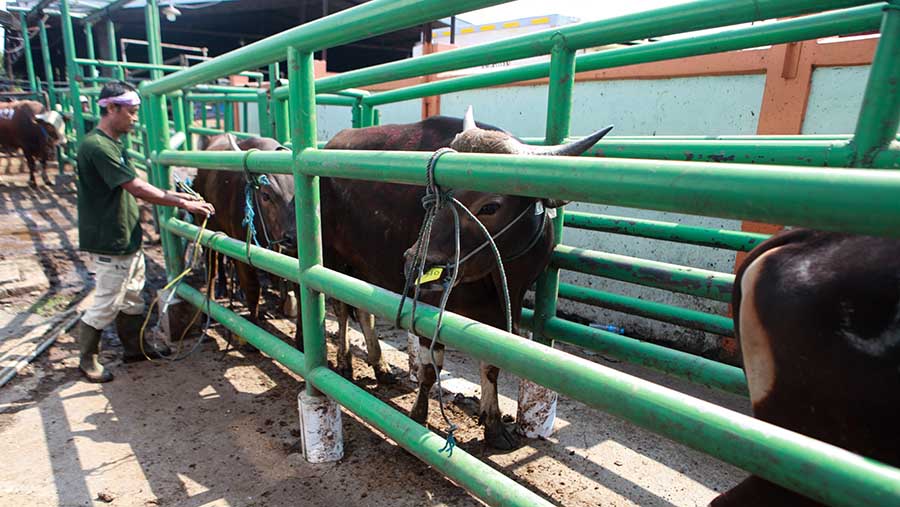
x,y
220,428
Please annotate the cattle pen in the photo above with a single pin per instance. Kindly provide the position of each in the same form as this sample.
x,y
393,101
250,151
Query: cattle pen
x,y
839,183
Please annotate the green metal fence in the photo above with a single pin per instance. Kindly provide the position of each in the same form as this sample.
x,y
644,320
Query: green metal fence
x,y
809,181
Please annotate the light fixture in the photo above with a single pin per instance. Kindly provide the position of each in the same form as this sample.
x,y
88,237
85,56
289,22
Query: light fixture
x,y
170,12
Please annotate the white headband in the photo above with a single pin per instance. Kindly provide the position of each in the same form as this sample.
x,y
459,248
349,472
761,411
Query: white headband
x,y
129,98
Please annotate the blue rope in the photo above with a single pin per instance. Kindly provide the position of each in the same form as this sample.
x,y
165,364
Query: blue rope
x,y
249,211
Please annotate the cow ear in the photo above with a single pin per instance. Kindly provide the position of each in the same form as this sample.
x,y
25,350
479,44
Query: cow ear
x,y
469,120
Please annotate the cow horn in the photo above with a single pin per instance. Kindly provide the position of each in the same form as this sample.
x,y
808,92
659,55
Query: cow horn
x,y
574,148
232,140
469,120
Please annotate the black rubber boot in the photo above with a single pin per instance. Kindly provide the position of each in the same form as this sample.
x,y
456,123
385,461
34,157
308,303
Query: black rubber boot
x,y
128,327
88,363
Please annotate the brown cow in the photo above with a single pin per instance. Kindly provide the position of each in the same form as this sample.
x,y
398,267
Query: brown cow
x,y
368,227
273,205
28,126
818,318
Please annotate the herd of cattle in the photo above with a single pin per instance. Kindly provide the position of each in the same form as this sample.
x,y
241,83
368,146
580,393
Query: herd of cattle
x,y
817,314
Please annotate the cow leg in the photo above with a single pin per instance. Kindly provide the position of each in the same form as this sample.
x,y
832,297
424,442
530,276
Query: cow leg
x,y
759,366
44,171
249,283
373,349
428,373
30,160
344,357
222,276
496,435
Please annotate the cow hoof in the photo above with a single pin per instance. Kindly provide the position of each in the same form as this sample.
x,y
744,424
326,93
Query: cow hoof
x,y
501,437
386,378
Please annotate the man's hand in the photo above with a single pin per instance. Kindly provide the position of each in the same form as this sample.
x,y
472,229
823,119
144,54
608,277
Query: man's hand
x,y
197,207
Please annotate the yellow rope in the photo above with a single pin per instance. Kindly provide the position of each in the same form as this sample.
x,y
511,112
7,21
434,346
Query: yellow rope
x,y
168,286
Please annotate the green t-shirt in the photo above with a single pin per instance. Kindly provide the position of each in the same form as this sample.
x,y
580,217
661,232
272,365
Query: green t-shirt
x,y
108,218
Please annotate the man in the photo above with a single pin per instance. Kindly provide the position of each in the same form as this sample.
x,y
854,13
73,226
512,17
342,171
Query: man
x,y
109,229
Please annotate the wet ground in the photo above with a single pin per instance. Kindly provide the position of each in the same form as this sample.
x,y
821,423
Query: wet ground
x,y
221,427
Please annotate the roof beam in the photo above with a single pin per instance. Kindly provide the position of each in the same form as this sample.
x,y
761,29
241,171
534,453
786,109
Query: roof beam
x,y
102,12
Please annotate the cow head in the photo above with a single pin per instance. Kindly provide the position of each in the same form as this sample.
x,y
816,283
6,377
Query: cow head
x,y
519,225
273,202
53,125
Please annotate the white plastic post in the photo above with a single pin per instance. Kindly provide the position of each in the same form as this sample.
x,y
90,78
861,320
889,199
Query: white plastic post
x,y
320,428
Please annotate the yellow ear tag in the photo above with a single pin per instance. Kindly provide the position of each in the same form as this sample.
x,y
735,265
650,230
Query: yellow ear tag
x,y
430,275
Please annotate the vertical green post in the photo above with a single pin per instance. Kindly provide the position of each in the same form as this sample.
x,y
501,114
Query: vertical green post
x,y
73,71
559,111
302,104
188,112
274,76
157,139
245,120
262,112
33,83
178,115
118,72
218,112
367,115
356,114
282,120
376,116
229,115
203,114
91,54
48,67
879,116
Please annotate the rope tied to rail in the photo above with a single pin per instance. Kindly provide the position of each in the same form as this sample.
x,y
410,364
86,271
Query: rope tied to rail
x,y
252,185
433,201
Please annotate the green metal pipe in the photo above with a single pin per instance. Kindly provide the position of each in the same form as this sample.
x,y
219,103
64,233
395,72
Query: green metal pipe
x,y
692,368
207,88
668,20
178,115
282,121
222,97
128,65
649,309
335,100
480,479
301,73
74,73
245,113
154,39
228,115
218,115
363,21
666,231
33,83
48,68
262,113
879,116
821,471
367,115
89,41
833,199
847,21
559,112
661,275
807,153
118,72
160,176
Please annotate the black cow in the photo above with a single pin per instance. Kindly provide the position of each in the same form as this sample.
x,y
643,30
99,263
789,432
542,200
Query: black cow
x,y
818,319
28,126
368,227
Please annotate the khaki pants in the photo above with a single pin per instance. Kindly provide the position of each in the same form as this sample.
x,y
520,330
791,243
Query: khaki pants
x,y
120,280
